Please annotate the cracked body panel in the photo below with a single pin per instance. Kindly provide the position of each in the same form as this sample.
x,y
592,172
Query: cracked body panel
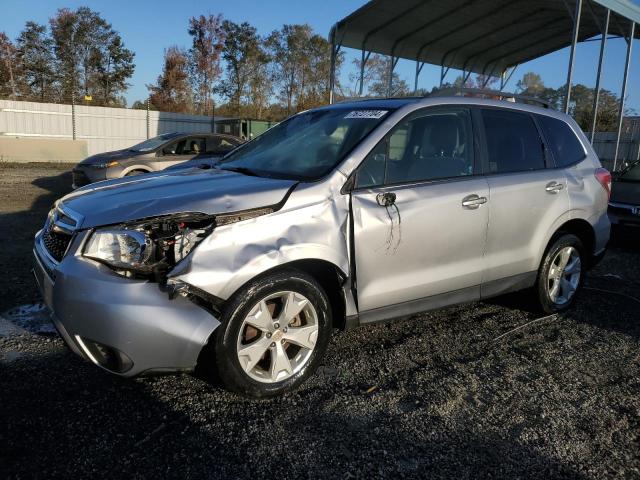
x,y
311,226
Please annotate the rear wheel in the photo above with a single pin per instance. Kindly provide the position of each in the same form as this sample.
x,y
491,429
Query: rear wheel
x,y
561,273
273,335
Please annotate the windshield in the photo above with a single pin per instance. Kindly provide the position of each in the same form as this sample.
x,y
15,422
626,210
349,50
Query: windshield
x,y
153,143
306,146
632,174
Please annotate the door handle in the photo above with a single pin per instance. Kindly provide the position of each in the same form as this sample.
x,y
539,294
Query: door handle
x,y
473,201
554,187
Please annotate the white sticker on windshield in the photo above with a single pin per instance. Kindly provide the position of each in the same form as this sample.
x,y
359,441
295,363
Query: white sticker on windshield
x,y
366,114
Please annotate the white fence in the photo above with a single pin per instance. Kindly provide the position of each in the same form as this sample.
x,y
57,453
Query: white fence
x,y
102,128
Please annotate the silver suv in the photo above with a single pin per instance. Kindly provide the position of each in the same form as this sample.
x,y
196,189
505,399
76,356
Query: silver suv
x,y
339,216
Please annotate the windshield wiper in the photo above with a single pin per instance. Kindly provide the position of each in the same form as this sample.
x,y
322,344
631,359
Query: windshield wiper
x,y
242,170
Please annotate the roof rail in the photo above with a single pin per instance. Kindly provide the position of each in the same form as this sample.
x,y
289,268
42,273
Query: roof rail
x,y
454,91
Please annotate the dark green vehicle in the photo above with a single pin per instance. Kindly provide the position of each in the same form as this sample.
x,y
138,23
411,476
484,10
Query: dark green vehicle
x,y
245,128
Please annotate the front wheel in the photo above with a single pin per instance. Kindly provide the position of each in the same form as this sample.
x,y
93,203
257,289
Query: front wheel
x,y
560,275
273,334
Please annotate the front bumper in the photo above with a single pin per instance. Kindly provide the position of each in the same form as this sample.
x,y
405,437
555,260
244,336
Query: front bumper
x,y
84,175
92,305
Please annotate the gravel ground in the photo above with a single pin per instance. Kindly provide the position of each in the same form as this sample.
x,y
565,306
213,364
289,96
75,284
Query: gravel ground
x,y
451,394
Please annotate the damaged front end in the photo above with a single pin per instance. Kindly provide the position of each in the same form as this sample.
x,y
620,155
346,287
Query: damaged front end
x,y
109,296
149,248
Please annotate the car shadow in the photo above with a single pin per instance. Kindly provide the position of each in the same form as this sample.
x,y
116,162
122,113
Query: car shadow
x,y
625,238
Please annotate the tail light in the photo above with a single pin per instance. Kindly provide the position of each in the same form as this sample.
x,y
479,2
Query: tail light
x,y
604,178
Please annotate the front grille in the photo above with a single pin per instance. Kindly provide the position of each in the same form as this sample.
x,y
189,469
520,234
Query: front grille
x,y
56,243
80,179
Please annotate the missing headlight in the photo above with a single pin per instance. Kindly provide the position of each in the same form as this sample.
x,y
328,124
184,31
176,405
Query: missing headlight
x,y
148,248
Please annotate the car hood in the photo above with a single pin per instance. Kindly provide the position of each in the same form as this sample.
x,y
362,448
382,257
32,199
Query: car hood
x,y
205,191
110,156
625,192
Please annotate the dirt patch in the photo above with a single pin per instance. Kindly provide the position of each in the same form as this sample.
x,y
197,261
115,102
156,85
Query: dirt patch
x,y
460,393
27,193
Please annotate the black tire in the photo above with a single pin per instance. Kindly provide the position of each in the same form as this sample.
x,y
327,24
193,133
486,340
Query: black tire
x,y
541,289
222,346
134,173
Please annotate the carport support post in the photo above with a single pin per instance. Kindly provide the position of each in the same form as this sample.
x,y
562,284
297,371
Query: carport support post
x,y
504,78
623,93
332,73
596,97
73,115
363,63
443,73
572,55
392,66
148,121
465,77
419,66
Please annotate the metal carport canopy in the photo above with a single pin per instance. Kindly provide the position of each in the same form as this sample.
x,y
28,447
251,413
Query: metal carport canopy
x,y
481,36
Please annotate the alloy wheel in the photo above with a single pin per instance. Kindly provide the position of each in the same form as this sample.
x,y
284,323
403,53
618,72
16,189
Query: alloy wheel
x,y
564,275
277,337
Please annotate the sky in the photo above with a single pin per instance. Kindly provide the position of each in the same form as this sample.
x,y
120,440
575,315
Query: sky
x,y
148,27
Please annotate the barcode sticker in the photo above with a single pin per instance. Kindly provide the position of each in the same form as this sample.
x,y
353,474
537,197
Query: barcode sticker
x,y
366,114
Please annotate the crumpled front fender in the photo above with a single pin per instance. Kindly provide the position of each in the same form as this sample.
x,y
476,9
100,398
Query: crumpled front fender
x,y
312,225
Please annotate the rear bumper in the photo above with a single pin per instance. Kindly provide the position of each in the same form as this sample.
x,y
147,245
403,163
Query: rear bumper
x,y
602,230
96,310
624,214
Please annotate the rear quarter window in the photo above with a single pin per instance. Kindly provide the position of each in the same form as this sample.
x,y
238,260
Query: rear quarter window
x,y
564,145
513,142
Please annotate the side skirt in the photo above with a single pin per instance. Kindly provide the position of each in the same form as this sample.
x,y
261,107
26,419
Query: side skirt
x,y
435,302
406,309
508,285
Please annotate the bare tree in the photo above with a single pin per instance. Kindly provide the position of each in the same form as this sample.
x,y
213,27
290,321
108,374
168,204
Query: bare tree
x,y
301,64
172,90
8,62
207,44
376,78
35,48
85,46
245,60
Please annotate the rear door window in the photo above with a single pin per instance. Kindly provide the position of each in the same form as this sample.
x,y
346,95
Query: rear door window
x,y
513,142
564,145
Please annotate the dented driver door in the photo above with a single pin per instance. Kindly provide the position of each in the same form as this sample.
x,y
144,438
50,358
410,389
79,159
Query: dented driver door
x,y
419,241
